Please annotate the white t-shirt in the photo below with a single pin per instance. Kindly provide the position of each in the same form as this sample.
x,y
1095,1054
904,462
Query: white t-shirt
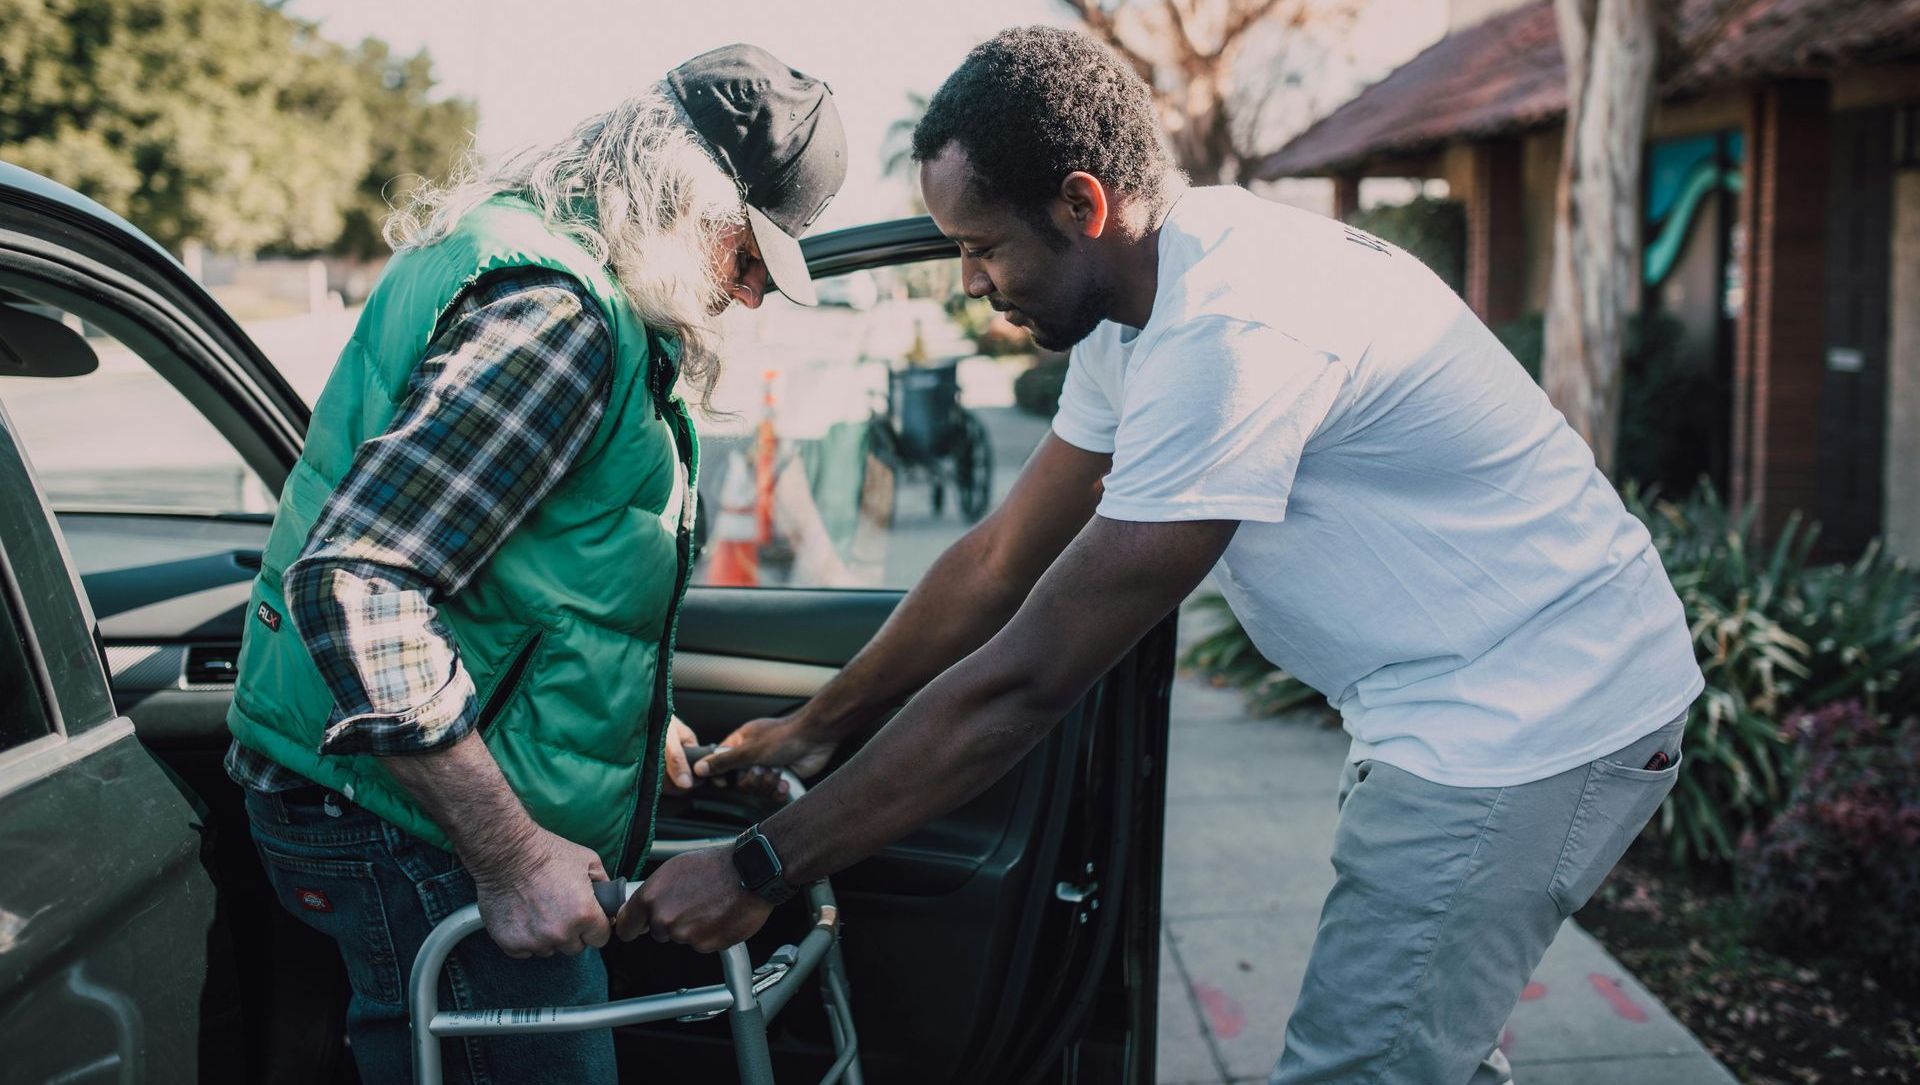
x,y
1423,537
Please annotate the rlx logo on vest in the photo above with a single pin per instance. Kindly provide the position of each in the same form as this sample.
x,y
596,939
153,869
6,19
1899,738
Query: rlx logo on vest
x,y
268,616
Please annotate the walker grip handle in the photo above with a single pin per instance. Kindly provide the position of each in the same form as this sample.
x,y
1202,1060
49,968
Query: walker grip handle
x,y
611,895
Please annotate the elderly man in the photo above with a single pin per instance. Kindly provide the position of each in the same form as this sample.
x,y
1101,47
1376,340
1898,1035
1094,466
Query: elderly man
x,y
1398,517
443,697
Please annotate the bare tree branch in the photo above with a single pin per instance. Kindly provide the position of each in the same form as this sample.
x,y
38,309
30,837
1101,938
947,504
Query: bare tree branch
x,y
1096,19
1213,123
1188,48
1252,116
1241,18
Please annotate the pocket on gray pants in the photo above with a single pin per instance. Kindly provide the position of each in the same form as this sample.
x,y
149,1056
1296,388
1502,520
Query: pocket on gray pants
x,y
1616,802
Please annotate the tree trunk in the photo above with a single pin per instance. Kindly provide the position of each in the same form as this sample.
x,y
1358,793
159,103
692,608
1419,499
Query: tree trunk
x,y
1610,48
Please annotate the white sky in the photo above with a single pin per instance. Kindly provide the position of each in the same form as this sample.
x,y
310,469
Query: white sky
x,y
535,69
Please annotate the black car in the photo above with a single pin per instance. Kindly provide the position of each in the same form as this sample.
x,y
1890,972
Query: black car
x,y
1015,939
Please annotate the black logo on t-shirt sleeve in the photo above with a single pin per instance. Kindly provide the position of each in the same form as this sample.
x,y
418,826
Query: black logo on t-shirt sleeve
x,y
1361,237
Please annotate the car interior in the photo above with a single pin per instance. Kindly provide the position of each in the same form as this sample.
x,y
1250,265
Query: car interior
x,y
977,947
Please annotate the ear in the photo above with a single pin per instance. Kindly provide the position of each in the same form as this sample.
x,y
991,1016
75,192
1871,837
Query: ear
x,y
1082,207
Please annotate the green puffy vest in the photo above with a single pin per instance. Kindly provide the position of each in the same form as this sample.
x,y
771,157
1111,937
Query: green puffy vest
x,y
567,631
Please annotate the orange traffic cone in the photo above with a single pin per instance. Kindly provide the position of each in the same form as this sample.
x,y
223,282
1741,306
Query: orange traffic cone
x,y
735,543
764,447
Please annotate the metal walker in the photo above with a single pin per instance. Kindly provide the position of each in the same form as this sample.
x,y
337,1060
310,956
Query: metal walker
x,y
751,996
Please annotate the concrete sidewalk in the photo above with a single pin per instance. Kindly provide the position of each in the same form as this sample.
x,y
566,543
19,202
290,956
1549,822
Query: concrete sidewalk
x,y
1236,934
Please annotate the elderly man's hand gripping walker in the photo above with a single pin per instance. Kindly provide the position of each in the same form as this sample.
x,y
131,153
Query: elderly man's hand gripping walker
x,y
750,996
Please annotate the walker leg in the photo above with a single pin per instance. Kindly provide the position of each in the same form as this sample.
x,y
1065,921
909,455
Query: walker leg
x,y
833,991
749,1022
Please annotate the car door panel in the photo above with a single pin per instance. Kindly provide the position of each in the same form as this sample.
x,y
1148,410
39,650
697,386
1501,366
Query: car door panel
x,y
947,928
758,623
106,913
777,680
818,626
104,890
175,592
156,579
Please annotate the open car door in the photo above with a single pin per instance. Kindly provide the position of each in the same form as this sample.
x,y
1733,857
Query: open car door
x,y
103,890
1017,937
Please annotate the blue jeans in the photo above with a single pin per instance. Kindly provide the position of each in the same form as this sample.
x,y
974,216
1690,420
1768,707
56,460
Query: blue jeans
x,y
377,891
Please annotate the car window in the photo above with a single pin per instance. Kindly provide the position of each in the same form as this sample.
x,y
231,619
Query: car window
x,y
23,710
123,438
855,441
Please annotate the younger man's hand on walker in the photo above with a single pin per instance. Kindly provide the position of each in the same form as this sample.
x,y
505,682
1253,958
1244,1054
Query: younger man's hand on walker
x,y
697,900
756,750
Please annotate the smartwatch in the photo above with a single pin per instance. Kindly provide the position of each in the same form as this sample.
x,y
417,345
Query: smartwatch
x,y
759,868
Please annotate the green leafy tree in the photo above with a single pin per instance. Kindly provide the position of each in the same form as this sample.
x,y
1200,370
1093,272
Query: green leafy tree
x,y
220,121
414,137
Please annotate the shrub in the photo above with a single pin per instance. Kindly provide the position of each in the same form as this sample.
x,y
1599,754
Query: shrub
x,y
1037,391
1775,638
1737,769
1862,621
1433,231
1227,654
1838,870
1859,621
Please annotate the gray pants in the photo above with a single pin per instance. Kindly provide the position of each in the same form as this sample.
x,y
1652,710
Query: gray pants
x,y
1444,901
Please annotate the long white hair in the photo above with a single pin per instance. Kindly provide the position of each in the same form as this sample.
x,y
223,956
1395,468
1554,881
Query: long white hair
x,y
637,188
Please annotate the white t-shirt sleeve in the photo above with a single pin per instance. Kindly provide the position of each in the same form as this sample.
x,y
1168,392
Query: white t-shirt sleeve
x,y
1087,415
1214,422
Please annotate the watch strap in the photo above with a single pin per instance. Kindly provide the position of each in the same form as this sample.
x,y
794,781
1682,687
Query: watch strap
x,y
768,883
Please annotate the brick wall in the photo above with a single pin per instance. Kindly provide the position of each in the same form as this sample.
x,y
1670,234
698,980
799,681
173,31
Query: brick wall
x,y
1346,195
1779,347
1496,231
1540,180
1903,373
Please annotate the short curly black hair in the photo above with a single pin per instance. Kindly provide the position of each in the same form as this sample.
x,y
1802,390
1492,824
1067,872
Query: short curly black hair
x,y
1036,103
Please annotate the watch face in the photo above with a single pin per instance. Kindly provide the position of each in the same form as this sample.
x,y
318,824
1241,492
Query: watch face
x,y
753,858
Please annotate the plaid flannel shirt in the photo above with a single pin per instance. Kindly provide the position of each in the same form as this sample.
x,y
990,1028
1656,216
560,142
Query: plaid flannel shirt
x,y
514,383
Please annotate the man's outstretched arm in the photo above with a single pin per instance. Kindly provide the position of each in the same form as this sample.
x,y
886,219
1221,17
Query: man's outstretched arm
x,y
967,728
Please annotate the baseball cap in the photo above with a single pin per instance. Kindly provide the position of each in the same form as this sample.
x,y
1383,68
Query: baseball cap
x,y
777,132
